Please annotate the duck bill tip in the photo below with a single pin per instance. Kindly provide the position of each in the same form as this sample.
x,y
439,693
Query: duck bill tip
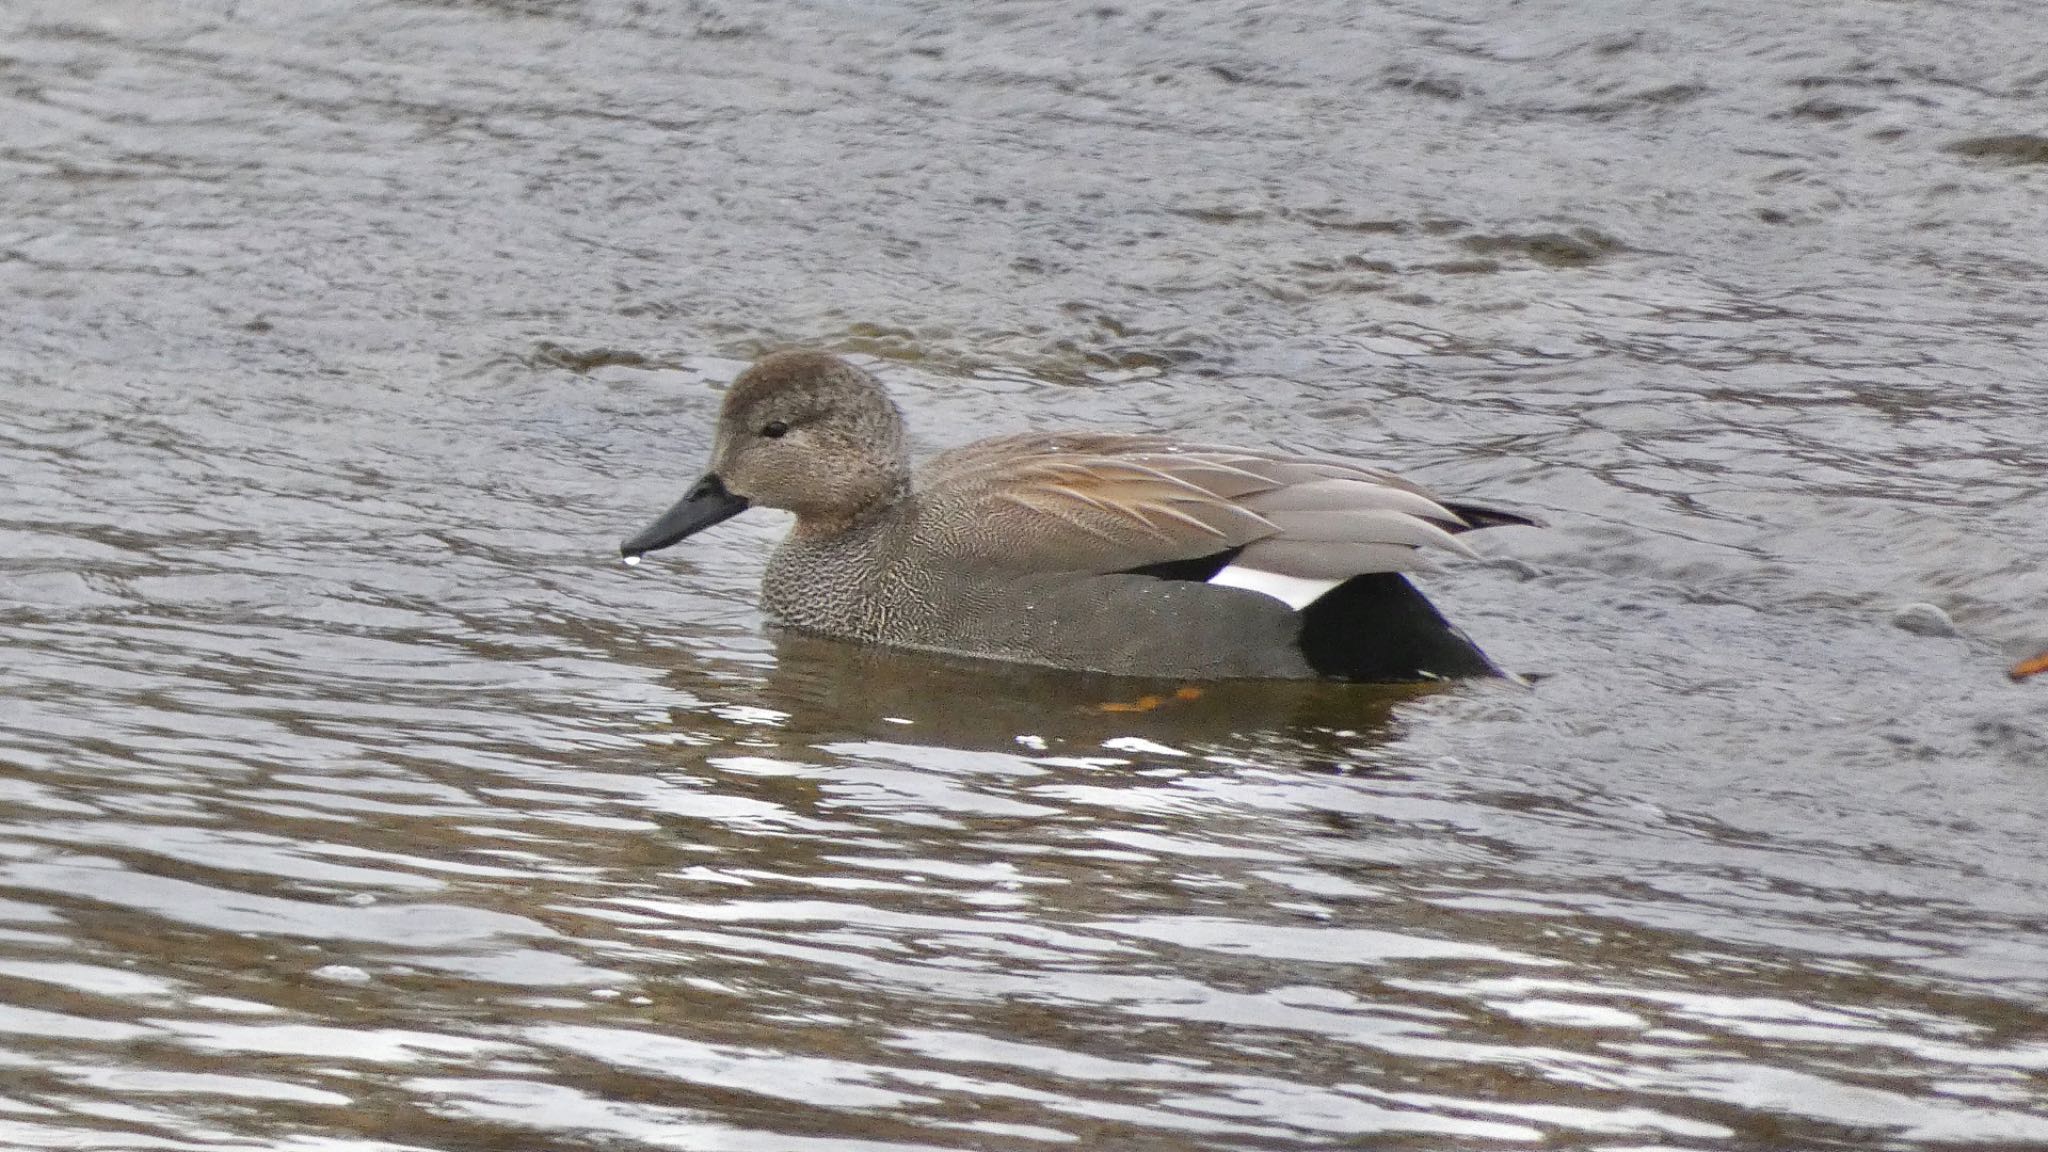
x,y
706,503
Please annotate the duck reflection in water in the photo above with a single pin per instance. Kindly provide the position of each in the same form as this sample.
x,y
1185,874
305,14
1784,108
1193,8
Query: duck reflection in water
x,y
830,690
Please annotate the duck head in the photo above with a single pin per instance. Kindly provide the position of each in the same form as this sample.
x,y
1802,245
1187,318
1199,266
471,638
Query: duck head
x,y
801,431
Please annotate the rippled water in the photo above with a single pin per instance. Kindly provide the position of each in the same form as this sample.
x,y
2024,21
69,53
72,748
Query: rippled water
x,y
353,797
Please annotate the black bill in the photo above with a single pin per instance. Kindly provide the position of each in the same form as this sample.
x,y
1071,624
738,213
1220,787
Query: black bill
x,y
706,504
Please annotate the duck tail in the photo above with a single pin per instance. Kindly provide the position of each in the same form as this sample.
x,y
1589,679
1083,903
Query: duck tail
x,y
1477,516
1378,628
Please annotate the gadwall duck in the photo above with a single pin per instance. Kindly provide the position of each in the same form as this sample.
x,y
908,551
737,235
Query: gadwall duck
x,y
1128,554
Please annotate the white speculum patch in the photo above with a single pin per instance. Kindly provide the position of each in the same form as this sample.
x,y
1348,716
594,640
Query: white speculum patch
x,y
1297,592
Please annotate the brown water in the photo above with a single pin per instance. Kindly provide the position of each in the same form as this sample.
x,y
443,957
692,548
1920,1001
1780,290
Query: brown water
x,y
355,798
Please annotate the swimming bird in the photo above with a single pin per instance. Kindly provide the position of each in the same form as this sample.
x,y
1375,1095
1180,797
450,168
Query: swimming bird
x,y
1124,553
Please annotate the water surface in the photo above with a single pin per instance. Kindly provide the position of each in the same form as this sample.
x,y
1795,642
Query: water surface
x,y
354,798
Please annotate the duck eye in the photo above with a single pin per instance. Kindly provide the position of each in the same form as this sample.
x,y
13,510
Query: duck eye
x,y
774,429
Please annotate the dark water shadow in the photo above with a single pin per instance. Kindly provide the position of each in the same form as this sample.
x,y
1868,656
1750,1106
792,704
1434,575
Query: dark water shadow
x,y
823,690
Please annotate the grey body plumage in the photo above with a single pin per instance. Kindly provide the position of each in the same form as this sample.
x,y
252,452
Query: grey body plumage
x,y
1129,554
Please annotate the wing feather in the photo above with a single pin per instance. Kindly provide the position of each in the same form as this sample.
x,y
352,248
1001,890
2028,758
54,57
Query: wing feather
x,y
1107,502
1341,494
1326,559
1367,526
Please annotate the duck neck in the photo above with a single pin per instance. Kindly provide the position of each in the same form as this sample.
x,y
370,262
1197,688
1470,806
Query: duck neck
x,y
849,516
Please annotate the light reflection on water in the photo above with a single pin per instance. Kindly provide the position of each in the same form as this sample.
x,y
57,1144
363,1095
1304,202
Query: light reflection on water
x,y
353,796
